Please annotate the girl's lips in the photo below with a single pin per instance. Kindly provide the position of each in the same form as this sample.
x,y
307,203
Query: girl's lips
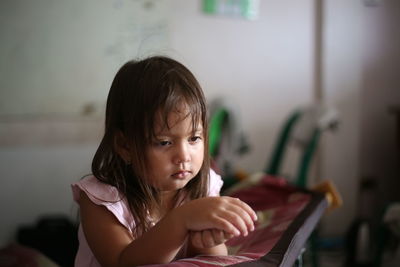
x,y
181,174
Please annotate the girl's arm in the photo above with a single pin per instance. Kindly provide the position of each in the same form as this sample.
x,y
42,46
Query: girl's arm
x,y
113,245
219,250
207,242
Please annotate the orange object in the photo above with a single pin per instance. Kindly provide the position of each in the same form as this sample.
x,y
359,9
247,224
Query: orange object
x,y
331,193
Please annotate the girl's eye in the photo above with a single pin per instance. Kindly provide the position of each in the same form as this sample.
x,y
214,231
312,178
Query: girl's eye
x,y
194,139
163,143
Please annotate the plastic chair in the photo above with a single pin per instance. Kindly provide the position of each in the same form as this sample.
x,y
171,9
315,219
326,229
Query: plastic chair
x,y
303,128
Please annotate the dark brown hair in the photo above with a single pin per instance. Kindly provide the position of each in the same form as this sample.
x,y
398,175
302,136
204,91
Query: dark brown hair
x,y
141,90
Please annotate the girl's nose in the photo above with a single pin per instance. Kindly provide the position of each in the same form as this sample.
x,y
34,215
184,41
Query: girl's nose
x,y
182,154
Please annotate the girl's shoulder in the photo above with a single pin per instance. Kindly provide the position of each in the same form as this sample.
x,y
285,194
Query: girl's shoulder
x,y
97,191
215,183
105,195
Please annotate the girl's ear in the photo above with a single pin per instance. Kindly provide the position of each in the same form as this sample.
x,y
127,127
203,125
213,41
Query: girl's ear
x,y
121,146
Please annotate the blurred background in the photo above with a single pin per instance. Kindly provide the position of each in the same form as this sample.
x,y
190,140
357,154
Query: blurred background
x,y
58,58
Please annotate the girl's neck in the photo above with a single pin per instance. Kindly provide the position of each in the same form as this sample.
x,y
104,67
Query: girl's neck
x,y
167,200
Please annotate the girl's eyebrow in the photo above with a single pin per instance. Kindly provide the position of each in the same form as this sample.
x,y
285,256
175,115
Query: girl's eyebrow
x,y
166,133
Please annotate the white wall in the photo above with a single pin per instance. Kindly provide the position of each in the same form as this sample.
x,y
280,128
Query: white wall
x,y
70,50
342,86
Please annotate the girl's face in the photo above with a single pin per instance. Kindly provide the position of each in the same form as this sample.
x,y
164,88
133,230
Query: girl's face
x,y
176,154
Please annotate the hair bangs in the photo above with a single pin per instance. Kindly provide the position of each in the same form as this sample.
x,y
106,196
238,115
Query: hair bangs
x,y
182,97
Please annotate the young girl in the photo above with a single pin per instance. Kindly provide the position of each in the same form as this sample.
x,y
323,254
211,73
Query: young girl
x,y
153,197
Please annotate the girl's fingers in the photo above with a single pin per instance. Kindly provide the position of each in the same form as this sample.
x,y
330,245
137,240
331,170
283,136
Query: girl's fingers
x,y
236,220
227,236
225,225
218,236
224,213
244,211
196,239
247,208
246,217
207,238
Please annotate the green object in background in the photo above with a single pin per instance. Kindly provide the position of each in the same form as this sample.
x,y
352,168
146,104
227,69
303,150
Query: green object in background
x,y
278,152
309,150
209,6
247,9
216,125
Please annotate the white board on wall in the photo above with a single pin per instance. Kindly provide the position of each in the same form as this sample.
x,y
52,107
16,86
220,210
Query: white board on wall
x,y
58,57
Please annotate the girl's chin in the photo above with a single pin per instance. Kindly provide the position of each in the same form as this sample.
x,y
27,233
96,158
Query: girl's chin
x,y
173,186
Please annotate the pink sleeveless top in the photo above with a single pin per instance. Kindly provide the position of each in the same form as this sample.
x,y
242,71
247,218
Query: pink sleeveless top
x,y
109,197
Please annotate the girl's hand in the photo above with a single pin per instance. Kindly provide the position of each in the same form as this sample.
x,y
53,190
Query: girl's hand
x,y
227,214
208,238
